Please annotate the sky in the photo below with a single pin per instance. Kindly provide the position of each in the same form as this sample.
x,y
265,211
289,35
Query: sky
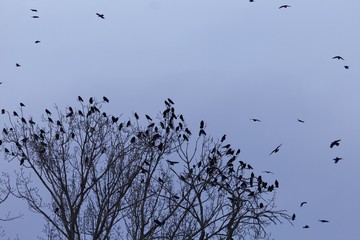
x,y
224,62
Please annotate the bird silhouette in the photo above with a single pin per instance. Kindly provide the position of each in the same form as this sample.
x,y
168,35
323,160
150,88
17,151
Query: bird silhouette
x,y
47,112
148,117
324,221
37,41
301,121
172,162
269,172
275,150
276,184
91,100
2,111
170,101
346,67
255,120
293,217
202,124
337,159
284,6
335,143
223,138
22,105
338,58
35,16
33,10
80,99
202,132
100,15
136,116
18,65
306,226
302,204
106,99
15,114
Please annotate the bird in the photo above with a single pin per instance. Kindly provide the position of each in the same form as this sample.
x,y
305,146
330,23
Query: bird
x,y
301,121
172,162
1,82
170,101
324,221
91,100
275,150
100,15
223,138
293,217
346,67
251,0
335,143
302,204
337,159
136,116
276,183
255,120
22,105
284,6
148,117
80,99
338,58
202,124
37,41
47,112
269,172
35,16
33,10
15,114
202,132
106,99
306,226
18,65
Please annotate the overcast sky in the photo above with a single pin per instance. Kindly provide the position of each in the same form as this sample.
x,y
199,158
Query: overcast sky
x,y
220,61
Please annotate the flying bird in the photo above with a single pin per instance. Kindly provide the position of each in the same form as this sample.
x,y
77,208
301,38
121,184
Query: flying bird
x,y
33,10
269,172
324,221
302,204
18,65
346,67
35,16
100,15
255,120
172,162
37,41
284,6
335,143
275,150
337,159
170,101
338,58
302,121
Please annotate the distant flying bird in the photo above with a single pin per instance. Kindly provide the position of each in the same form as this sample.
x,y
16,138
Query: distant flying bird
x,y
337,159
275,150
306,226
33,10
293,217
346,67
269,172
35,16
302,204
18,65
47,112
335,143
323,221
284,6
338,58
302,121
251,0
255,120
37,41
100,15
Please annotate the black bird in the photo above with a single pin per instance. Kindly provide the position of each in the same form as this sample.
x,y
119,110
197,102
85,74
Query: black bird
x,y
251,0
302,121
1,82
182,118
50,120
172,162
324,221
148,117
15,114
170,101
37,41
255,120
338,58
91,100
2,111
158,222
284,6
136,116
106,99
202,132
275,150
306,226
18,65
276,184
337,159
80,99
202,124
293,217
223,138
22,160
335,143
80,113
100,15
187,131
302,204
22,105
23,120
35,16
47,112
33,10
346,67
269,172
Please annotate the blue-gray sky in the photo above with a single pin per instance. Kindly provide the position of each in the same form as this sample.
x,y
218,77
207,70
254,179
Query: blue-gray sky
x,y
221,61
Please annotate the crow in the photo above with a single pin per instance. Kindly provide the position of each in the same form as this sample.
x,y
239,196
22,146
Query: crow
x,y
302,204
136,116
202,124
338,58
276,184
172,162
255,120
306,226
80,99
148,117
337,159
47,112
106,99
18,65
284,6
323,221
22,105
346,67
223,138
335,143
100,15
33,10
302,121
15,114
202,132
269,172
293,217
37,41
35,16
91,100
275,150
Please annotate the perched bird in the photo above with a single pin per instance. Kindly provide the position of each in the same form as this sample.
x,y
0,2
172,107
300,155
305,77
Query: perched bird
x,y
91,100
337,159
80,99
202,132
148,117
323,221
338,58
15,114
302,204
223,138
22,105
100,15
170,101
18,65
301,121
47,112
346,67
136,116
106,99
306,226
255,120
2,111
275,150
251,0
33,10
276,184
335,143
293,217
37,41
284,6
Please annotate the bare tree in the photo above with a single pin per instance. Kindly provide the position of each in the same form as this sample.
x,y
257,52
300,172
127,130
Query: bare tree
x,y
94,176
